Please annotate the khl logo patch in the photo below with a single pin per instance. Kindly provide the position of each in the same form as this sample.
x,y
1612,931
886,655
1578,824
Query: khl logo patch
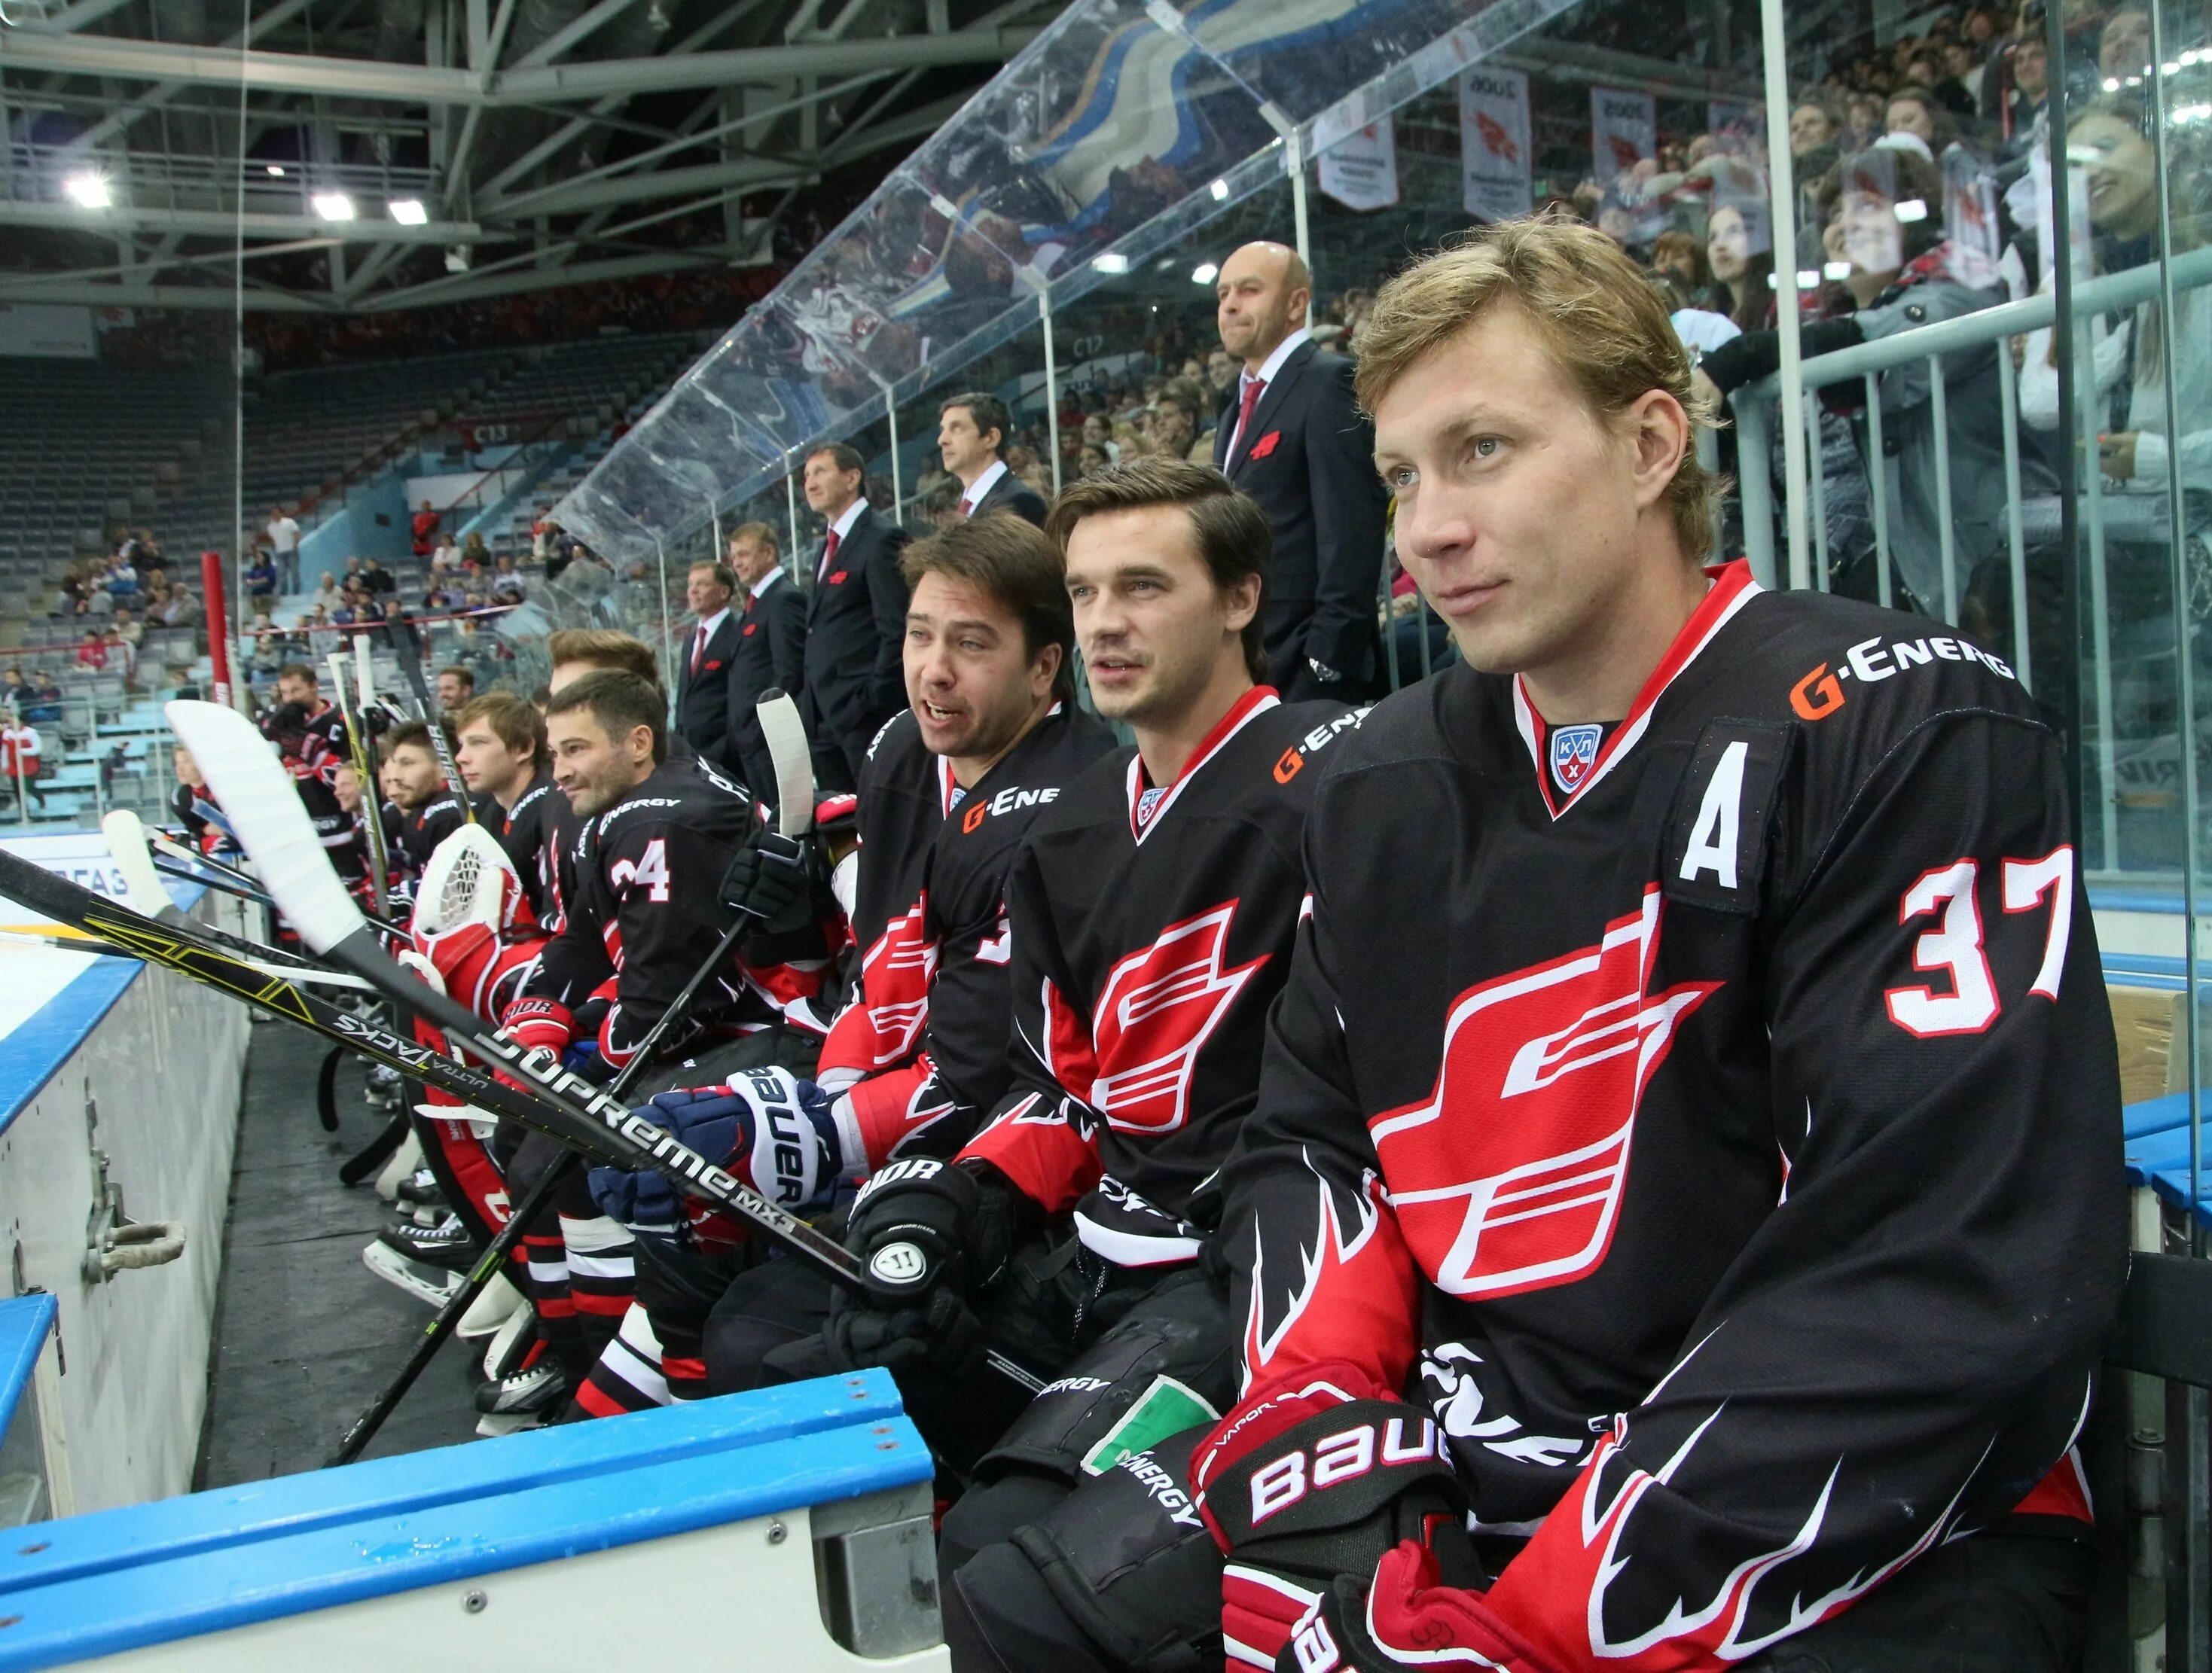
x,y
1574,752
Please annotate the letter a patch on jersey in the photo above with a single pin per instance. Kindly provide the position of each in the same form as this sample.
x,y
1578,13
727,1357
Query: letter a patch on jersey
x,y
1510,1176
1715,854
1159,1008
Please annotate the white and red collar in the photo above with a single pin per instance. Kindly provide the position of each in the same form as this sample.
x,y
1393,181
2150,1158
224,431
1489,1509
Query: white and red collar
x,y
948,787
1254,703
1732,589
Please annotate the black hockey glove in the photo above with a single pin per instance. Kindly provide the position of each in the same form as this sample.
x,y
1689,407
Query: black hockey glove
x,y
927,1233
938,1334
922,1224
776,879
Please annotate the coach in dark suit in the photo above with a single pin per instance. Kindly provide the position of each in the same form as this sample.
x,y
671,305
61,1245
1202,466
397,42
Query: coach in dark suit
x,y
702,670
1293,439
771,654
971,439
855,678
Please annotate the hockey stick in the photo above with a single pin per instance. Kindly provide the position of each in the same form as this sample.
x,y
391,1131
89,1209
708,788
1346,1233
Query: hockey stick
x,y
358,746
563,1105
410,664
127,840
368,1162
220,885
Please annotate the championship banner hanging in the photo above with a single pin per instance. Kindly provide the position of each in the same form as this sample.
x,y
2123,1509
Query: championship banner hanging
x,y
1624,131
1493,143
1360,171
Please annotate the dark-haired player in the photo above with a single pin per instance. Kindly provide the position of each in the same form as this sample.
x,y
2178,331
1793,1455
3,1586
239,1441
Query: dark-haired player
x,y
1152,908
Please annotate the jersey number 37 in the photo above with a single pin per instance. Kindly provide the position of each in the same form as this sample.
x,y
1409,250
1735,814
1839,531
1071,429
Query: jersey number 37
x,y
1954,944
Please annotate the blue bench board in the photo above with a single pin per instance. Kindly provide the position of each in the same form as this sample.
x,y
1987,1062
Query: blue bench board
x,y
122,1580
25,1324
2161,1160
35,1051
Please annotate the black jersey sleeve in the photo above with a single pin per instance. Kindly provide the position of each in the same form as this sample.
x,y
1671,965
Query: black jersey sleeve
x,y
1904,1350
1043,1133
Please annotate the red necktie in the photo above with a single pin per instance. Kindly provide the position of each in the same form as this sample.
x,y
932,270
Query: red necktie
x,y
828,553
1251,398
699,647
967,509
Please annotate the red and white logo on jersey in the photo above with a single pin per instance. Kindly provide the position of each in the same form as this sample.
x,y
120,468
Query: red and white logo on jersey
x,y
1508,1178
895,977
1159,1008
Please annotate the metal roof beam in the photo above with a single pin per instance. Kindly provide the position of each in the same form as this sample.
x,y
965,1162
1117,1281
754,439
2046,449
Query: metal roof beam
x,y
417,84
218,223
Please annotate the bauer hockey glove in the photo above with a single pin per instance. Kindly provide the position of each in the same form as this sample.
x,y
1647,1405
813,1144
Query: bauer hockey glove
x,y
766,1126
1318,1480
776,879
928,1233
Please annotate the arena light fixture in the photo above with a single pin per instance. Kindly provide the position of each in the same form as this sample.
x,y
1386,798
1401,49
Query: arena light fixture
x,y
1808,278
1112,262
276,170
1911,209
332,205
2112,84
409,211
88,191
1205,274
1838,271
1220,189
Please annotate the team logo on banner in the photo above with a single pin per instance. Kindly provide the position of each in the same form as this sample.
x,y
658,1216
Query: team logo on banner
x,y
1574,752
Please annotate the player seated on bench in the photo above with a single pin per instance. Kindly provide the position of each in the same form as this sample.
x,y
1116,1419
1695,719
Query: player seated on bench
x,y
1678,1224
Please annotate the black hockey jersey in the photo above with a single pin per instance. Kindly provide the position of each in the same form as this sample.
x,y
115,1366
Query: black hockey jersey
x,y
647,909
1720,1136
421,831
532,833
1152,927
921,1045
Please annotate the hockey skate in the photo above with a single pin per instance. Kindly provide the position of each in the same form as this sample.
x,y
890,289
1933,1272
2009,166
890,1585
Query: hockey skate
x,y
425,1282
527,1400
427,1261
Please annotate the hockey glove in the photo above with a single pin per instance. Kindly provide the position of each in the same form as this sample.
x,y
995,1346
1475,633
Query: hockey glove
x,y
938,1335
922,1224
1306,1483
534,1022
769,1128
1409,1617
775,879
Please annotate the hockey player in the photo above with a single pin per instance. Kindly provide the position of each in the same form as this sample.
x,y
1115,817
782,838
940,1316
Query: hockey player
x,y
296,682
1684,1150
658,836
498,749
918,1056
1152,908
416,784
992,739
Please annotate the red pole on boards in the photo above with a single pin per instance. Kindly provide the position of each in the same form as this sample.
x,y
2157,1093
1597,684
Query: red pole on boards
x,y
218,622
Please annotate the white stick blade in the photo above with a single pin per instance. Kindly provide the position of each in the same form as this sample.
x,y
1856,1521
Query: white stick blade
x,y
785,734
271,823
126,840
